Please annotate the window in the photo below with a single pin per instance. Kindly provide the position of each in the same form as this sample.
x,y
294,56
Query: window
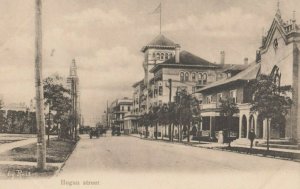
x,y
181,77
193,76
219,97
122,107
204,78
200,78
153,55
128,108
162,56
276,76
160,90
170,55
233,96
186,77
157,56
166,56
208,99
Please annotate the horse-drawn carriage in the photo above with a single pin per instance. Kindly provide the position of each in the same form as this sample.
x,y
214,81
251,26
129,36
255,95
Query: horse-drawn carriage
x,y
97,131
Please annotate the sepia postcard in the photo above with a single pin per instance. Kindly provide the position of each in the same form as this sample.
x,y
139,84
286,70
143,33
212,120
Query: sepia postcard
x,y
150,94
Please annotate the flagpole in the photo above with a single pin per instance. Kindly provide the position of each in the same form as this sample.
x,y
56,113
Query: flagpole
x,y
160,19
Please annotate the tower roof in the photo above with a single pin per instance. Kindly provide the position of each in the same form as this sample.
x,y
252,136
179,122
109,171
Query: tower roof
x,y
187,60
159,41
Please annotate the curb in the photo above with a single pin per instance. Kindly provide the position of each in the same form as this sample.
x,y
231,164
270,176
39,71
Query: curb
x,y
58,171
220,149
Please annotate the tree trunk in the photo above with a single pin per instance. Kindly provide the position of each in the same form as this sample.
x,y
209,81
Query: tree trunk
x,y
146,134
180,133
156,128
268,134
172,133
188,132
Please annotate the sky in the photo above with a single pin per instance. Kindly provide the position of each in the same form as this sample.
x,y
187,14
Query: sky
x,y
105,38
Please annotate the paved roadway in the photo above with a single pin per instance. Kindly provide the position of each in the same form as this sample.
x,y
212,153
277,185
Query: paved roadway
x,y
132,160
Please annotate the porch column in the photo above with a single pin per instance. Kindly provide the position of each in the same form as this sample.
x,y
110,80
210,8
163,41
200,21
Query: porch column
x,y
240,125
248,126
210,126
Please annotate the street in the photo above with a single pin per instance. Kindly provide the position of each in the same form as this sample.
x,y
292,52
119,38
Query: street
x,y
124,155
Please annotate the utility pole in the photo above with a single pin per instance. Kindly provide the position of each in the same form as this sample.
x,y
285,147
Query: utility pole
x,y
75,108
40,117
107,114
49,124
170,100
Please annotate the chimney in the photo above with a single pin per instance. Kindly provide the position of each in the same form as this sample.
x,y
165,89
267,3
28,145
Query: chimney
x,y
246,61
177,54
222,62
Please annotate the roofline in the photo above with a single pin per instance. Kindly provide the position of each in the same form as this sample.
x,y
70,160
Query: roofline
x,y
157,46
222,84
159,66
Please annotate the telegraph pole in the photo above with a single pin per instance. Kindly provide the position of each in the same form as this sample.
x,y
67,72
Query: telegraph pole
x,y
40,117
170,99
107,125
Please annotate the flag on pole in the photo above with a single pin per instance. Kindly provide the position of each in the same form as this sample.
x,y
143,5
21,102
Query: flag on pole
x,y
157,10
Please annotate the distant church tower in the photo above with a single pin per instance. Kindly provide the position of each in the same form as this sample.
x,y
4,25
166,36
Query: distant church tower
x,y
73,83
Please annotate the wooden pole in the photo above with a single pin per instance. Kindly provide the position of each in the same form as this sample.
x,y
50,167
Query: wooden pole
x,y
40,117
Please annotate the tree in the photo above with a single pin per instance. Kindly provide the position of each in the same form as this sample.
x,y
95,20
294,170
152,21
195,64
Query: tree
x,y
187,111
228,108
57,97
2,117
269,99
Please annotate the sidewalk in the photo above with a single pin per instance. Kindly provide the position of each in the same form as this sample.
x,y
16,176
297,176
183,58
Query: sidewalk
x,y
9,146
215,145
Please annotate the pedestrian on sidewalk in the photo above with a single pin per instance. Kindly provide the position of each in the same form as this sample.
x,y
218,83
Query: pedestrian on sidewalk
x,y
251,138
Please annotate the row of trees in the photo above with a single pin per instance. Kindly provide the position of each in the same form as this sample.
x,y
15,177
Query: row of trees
x,y
268,99
181,114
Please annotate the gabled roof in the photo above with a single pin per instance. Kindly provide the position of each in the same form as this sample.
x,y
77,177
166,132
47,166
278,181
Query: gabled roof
x,y
159,42
248,74
285,29
236,68
187,59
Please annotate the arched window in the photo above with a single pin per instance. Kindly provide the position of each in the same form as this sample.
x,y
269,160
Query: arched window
x,y
193,77
162,55
204,78
276,75
200,78
157,56
166,56
181,77
153,55
186,76
170,55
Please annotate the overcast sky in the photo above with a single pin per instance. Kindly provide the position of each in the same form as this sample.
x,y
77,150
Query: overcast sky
x,y
105,38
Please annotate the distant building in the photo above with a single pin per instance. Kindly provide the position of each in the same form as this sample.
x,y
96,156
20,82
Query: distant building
x,y
118,110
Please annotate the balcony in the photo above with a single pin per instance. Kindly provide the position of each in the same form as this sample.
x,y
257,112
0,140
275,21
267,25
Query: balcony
x,y
212,105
